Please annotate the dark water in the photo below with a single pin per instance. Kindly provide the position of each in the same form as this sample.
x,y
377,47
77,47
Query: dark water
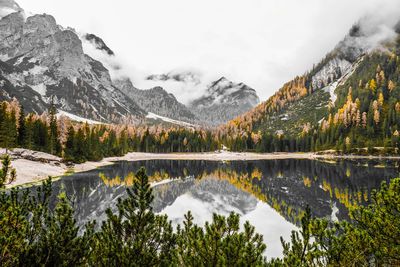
x,y
271,194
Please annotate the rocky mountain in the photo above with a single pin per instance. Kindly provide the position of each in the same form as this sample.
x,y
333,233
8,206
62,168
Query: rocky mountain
x,y
223,101
156,100
98,43
40,60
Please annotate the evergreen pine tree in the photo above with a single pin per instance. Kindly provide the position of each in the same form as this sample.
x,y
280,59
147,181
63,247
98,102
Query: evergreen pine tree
x,y
28,141
40,136
123,144
54,142
7,173
13,131
8,128
79,146
21,141
136,234
69,149
58,243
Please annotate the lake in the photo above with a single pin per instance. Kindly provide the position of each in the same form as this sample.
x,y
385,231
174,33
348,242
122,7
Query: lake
x,y
271,194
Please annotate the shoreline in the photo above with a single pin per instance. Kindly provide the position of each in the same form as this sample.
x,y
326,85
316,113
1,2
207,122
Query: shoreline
x,y
40,165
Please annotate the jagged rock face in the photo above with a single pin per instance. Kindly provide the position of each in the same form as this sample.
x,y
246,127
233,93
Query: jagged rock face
x,y
330,72
41,59
222,101
156,100
225,100
99,43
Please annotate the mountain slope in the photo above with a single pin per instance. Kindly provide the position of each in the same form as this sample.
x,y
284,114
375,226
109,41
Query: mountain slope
x,y
348,102
40,60
223,101
298,95
156,100
98,43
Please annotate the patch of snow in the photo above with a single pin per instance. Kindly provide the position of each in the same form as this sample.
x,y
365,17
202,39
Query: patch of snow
x,y
19,60
284,117
95,110
93,107
223,89
349,72
36,70
92,192
165,181
122,105
4,57
32,60
335,210
40,88
331,89
75,117
14,79
332,68
155,117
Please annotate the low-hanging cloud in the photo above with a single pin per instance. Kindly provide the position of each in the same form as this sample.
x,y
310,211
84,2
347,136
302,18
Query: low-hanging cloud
x,y
373,30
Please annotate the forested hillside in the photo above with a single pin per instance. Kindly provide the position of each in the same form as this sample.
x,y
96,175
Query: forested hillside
x,y
79,142
348,102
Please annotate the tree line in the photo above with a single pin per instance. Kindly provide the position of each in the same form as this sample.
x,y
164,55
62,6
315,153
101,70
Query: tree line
x,y
79,142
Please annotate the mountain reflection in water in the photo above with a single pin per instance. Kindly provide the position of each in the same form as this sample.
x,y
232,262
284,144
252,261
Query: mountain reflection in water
x,y
271,194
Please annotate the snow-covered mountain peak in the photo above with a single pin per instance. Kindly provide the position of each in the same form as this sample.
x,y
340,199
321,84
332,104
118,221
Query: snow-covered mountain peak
x,y
368,34
41,60
220,86
226,91
224,100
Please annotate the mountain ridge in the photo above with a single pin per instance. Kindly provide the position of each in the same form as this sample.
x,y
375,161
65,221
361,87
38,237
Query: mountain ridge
x,y
49,62
41,60
221,101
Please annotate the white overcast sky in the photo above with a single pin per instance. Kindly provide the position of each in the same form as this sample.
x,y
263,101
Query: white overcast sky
x,y
262,43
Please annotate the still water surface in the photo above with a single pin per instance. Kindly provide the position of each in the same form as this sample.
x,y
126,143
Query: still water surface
x,y
271,194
